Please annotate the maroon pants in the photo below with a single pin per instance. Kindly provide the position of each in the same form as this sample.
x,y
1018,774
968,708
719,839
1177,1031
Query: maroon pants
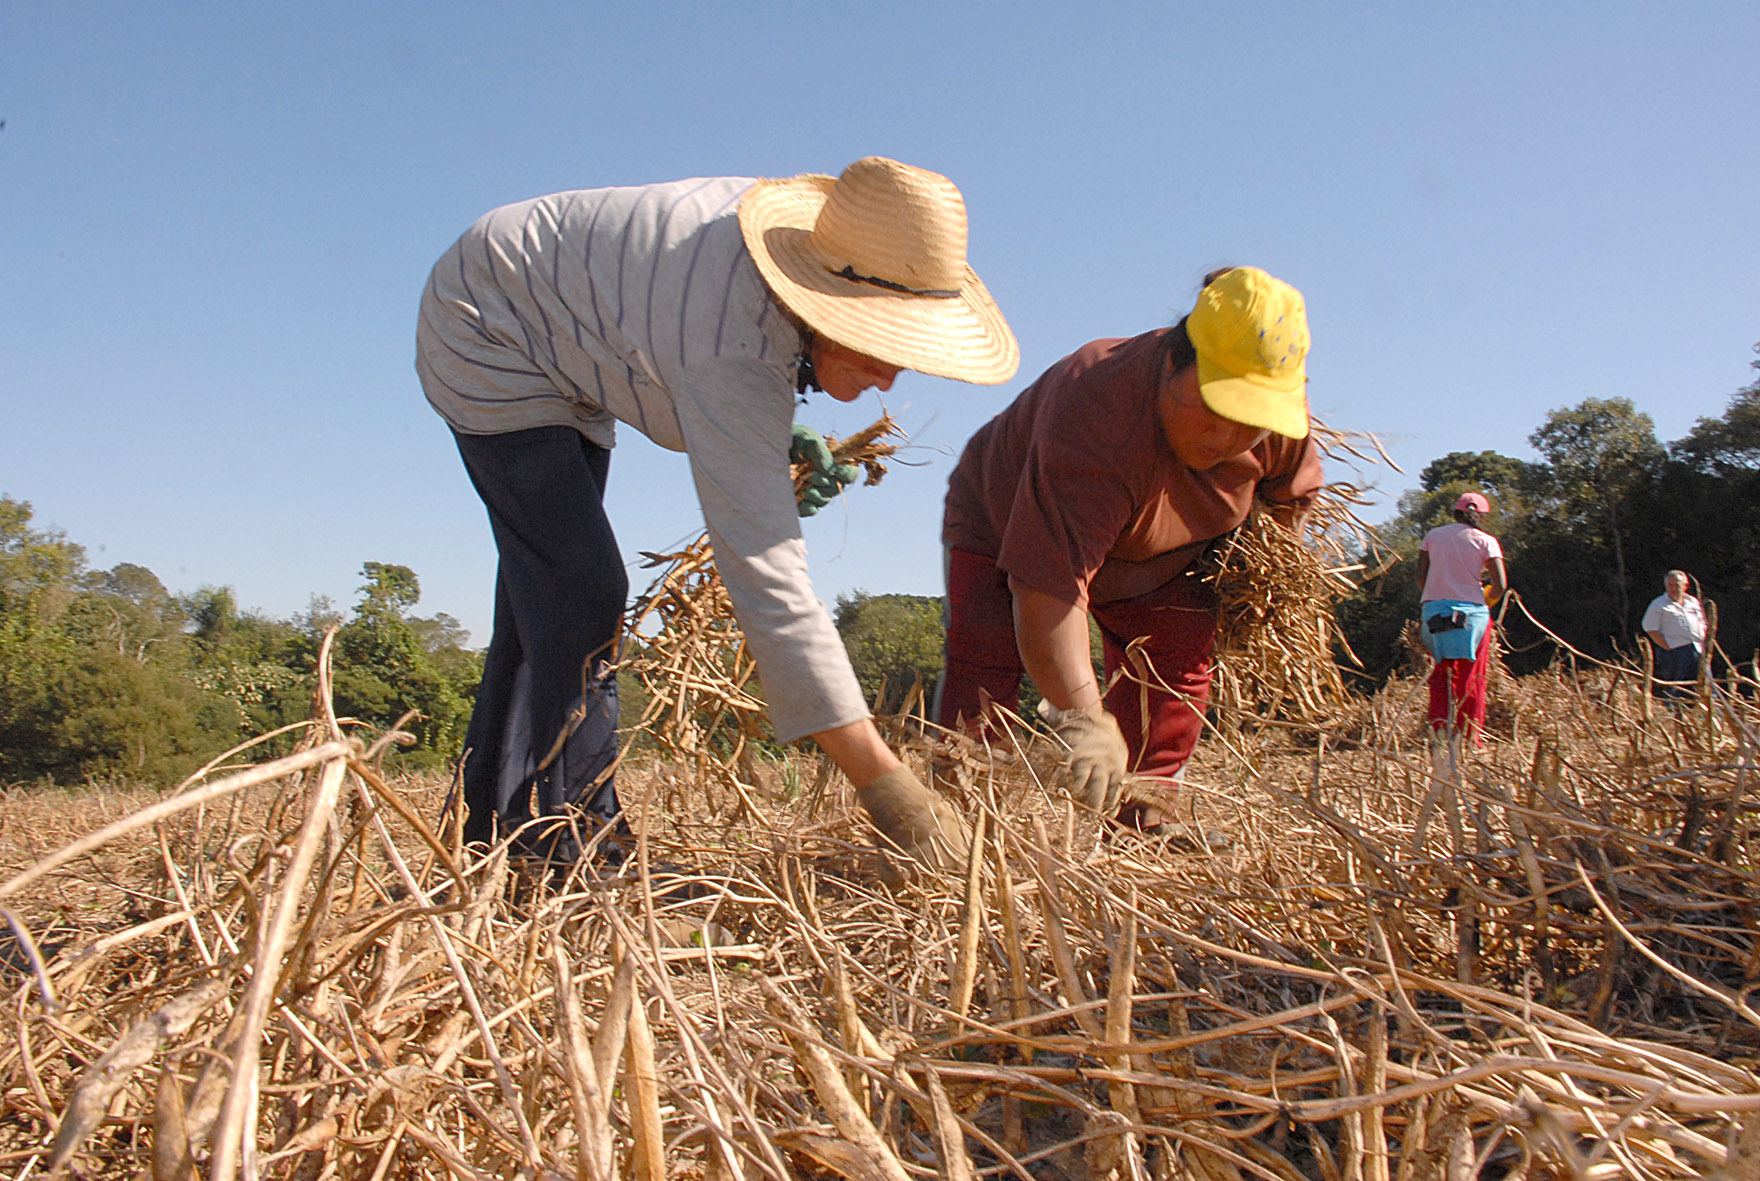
x,y
1457,691
1163,641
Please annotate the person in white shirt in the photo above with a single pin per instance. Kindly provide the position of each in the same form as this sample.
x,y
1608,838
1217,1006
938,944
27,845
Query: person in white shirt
x,y
695,312
1675,624
1460,572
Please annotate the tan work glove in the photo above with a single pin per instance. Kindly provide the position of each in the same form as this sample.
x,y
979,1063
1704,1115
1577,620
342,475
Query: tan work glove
x,y
916,821
1098,759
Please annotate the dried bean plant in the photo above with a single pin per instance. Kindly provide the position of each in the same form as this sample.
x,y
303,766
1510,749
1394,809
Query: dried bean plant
x,y
1276,585
1351,964
684,645
296,976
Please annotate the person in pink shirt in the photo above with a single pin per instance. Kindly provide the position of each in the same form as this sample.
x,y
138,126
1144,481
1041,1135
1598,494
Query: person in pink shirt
x,y
1460,572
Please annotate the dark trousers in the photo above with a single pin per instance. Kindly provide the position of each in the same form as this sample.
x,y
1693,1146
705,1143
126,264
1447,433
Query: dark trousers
x,y
1676,671
1163,640
543,734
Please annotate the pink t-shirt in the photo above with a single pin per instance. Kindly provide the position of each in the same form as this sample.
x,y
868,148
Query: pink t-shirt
x,y
1457,555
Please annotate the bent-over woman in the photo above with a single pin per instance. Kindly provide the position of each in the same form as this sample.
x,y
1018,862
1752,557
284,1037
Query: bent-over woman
x,y
1092,495
692,312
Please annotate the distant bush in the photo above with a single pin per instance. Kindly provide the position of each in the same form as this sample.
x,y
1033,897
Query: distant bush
x,y
104,674
893,642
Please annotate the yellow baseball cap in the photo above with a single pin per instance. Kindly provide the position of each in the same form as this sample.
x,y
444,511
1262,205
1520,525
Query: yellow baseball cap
x,y
1250,331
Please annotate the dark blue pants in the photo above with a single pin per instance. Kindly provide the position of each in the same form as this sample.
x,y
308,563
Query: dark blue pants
x,y
543,734
1676,670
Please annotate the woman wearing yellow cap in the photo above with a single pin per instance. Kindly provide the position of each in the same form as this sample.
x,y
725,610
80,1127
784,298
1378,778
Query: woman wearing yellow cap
x,y
1092,494
693,312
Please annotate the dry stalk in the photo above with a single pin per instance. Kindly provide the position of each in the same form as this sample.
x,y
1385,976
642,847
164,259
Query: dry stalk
x,y
684,644
1276,584
1281,1003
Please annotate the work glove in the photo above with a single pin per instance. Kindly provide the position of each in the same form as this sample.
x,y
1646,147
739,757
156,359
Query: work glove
x,y
1095,768
826,478
915,821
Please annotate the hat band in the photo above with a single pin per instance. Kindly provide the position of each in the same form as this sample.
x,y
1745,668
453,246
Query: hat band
x,y
849,272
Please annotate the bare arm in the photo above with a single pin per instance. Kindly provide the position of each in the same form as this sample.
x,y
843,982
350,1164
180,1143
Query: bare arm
x,y
1656,638
1499,581
858,750
1423,568
1053,640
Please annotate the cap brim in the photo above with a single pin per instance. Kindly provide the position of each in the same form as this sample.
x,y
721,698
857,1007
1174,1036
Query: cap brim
x,y
963,337
1255,401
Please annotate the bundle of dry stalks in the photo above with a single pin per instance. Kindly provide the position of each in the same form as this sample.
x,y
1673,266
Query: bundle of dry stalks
x,y
1276,585
686,648
294,976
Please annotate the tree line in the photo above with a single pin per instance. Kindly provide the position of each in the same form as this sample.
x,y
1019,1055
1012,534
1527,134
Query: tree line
x,y
105,673
1590,529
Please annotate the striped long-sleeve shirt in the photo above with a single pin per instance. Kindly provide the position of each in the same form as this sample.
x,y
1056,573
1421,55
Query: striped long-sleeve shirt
x,y
642,305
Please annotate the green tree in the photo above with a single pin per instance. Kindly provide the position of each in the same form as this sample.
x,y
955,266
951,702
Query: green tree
x,y
1498,476
1599,453
1730,444
1702,514
106,673
389,590
117,716
93,666
38,571
893,641
263,666
128,608
212,612
1589,531
1511,485
388,663
31,558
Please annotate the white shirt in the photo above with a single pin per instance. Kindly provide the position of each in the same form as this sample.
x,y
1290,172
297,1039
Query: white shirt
x,y
1679,623
642,305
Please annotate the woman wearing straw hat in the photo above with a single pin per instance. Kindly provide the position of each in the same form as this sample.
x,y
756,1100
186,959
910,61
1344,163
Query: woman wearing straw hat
x,y
1092,494
1460,570
693,312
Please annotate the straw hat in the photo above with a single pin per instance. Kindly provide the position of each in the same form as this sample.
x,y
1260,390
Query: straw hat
x,y
876,261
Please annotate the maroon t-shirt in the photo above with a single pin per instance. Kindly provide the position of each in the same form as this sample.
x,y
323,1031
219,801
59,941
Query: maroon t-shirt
x,y
1075,491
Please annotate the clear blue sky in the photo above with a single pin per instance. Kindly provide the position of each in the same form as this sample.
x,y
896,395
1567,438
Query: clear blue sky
x,y
215,219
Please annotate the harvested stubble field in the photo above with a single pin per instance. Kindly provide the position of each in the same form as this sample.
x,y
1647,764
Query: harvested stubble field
x,y
1348,963
283,972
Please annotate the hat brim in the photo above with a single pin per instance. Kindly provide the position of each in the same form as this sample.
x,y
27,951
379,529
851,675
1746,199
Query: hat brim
x,y
963,337
1255,401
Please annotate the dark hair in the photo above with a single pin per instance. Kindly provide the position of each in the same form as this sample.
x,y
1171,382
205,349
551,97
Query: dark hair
x,y
1180,353
1178,345
1468,516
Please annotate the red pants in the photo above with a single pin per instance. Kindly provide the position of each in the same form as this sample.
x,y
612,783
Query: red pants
x,y
1175,624
1461,684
